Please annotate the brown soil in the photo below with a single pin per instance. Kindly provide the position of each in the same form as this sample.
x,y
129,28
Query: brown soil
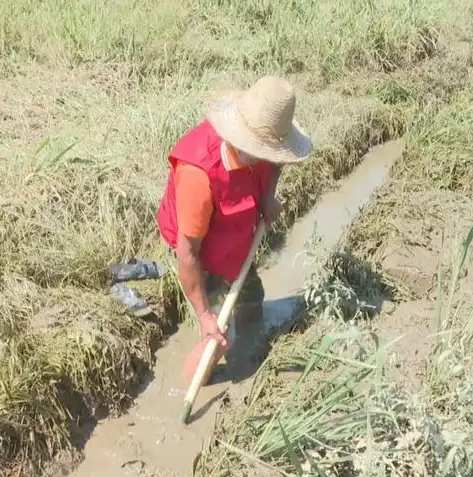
x,y
423,237
412,322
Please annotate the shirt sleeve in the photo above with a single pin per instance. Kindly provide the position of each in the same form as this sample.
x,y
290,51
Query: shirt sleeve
x,y
194,205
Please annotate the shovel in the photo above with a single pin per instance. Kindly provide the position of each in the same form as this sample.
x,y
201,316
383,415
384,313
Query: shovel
x,y
208,355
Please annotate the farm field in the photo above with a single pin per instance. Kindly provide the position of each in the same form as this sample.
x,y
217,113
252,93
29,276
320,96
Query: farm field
x,y
92,96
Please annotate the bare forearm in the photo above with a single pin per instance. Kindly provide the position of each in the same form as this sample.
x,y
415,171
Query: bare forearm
x,y
192,280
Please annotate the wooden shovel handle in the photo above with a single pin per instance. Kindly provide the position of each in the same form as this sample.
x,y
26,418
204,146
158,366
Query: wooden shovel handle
x,y
222,321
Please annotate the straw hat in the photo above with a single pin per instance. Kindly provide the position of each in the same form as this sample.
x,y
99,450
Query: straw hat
x,y
260,121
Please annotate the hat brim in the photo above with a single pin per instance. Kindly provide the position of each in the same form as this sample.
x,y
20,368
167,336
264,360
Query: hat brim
x,y
224,117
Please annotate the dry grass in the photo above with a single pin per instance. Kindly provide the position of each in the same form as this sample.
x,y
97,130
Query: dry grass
x,y
67,353
92,95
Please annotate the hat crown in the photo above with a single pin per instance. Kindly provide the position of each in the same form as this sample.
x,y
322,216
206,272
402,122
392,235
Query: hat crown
x,y
268,107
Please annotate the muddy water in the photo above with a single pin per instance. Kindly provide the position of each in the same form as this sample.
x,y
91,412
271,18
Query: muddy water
x,y
149,441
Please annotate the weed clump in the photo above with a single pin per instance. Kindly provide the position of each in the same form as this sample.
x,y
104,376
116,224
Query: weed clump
x,y
74,355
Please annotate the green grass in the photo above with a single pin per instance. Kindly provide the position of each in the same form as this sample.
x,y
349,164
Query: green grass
x,y
92,96
293,35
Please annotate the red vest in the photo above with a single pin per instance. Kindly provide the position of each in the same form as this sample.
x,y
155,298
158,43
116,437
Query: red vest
x,y
236,197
